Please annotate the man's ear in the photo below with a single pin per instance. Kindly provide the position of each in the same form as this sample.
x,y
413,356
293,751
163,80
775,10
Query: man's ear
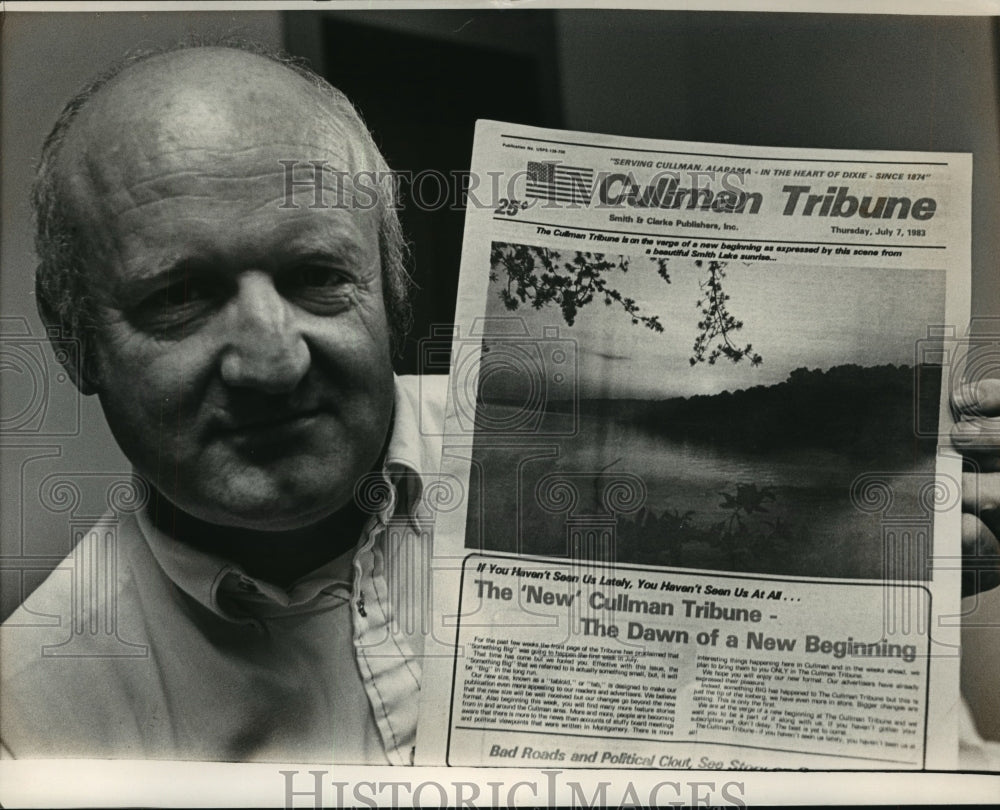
x,y
70,350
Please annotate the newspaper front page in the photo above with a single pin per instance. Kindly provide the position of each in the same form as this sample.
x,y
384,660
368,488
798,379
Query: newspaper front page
x,y
702,513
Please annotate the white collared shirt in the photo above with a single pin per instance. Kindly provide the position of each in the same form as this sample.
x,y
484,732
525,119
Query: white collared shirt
x,y
189,657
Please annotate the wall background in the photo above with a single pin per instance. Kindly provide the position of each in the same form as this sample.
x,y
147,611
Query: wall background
x,y
838,81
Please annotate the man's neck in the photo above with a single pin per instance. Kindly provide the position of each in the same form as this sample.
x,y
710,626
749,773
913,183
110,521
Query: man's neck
x,y
276,557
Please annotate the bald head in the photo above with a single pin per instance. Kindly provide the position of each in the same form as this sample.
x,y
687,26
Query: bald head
x,y
185,85
200,98
209,105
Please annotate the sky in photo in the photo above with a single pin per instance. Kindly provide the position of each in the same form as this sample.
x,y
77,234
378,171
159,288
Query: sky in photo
x,y
794,316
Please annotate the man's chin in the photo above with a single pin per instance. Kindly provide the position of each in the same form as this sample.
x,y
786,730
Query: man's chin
x,y
274,522
254,510
272,516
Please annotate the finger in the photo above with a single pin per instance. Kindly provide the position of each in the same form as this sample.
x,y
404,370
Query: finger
x,y
980,557
977,435
980,493
978,398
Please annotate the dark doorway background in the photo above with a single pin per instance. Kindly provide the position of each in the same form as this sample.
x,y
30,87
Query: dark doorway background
x,y
421,80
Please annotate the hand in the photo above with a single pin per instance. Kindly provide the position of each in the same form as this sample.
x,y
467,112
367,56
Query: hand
x,y
976,435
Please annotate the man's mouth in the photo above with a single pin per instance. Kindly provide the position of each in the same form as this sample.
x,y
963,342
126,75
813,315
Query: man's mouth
x,y
267,422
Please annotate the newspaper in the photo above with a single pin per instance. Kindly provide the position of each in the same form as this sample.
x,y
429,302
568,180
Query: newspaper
x,y
701,511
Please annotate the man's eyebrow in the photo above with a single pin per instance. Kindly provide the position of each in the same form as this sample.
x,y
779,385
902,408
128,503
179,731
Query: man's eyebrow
x,y
343,248
148,278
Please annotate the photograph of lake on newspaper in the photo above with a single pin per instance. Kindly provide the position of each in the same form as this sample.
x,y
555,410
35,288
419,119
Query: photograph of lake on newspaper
x,y
707,520
749,463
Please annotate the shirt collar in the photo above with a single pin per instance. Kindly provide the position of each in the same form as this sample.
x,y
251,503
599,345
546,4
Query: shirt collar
x,y
223,586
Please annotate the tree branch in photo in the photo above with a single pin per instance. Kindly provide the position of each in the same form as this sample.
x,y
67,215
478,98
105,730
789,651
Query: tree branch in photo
x,y
718,323
540,277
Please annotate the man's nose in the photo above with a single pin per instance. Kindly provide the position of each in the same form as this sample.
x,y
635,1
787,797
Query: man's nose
x,y
264,347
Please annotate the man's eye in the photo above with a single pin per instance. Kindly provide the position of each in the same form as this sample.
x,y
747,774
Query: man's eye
x,y
176,305
183,292
314,275
318,288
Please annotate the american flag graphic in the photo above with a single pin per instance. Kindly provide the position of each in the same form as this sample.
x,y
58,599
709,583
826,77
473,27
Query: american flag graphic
x,y
553,181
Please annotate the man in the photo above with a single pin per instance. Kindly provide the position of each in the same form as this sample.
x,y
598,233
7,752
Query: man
x,y
239,342
238,337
